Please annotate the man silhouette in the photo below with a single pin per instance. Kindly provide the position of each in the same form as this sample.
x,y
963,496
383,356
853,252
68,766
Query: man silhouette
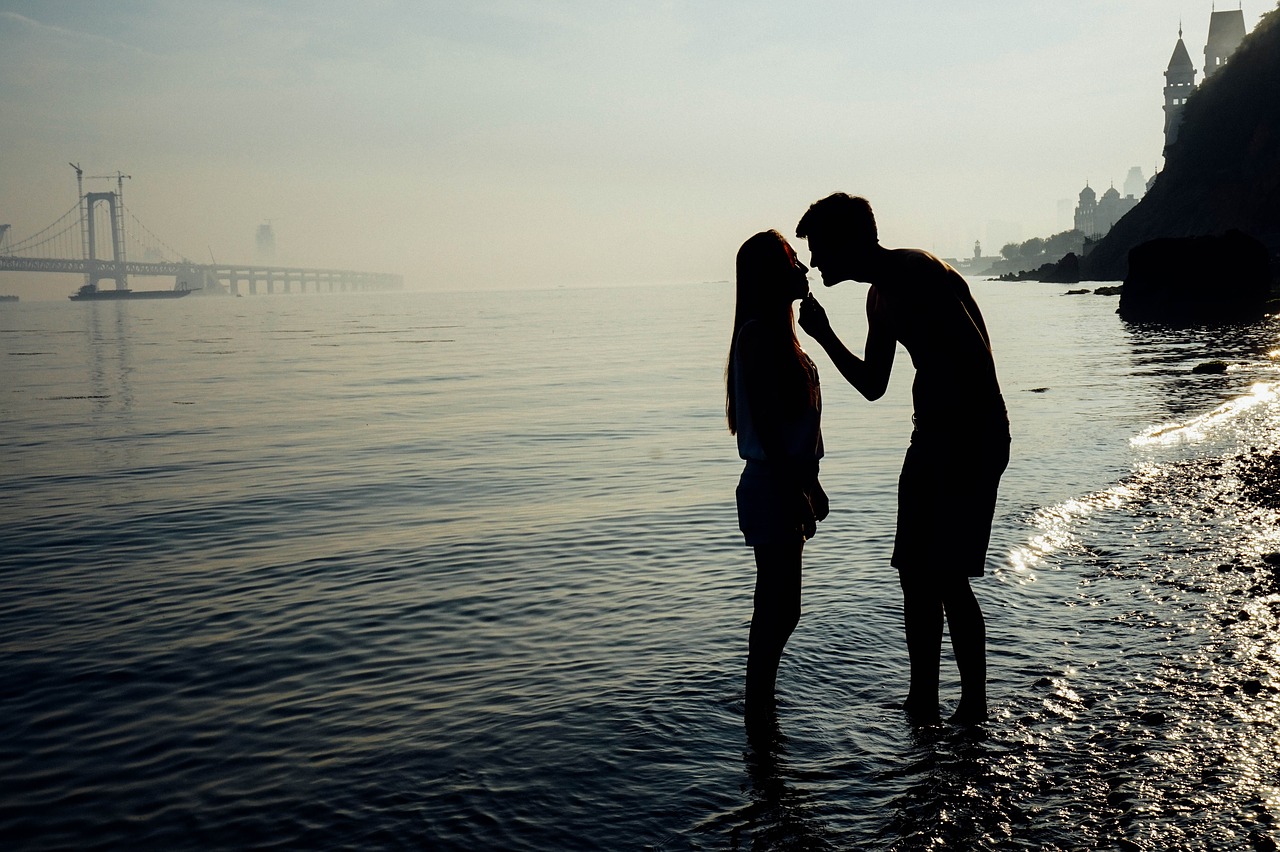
x,y
959,446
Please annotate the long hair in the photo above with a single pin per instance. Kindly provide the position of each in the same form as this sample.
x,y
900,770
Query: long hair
x,y
762,262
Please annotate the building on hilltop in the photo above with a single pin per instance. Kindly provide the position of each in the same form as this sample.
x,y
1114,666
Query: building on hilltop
x,y
1226,31
1110,208
1134,183
1095,216
1179,83
1086,211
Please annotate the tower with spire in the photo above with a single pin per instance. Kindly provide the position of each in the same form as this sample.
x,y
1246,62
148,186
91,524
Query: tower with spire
x,y
1226,32
1179,83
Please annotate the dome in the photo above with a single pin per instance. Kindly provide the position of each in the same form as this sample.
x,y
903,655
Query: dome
x,y
1087,195
1111,194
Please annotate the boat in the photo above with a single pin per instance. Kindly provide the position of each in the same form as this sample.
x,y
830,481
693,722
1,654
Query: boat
x,y
91,293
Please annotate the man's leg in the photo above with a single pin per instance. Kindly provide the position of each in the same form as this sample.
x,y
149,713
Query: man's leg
x,y
969,641
922,617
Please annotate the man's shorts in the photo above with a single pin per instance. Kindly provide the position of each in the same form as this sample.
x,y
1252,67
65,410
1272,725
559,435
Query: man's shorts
x,y
947,499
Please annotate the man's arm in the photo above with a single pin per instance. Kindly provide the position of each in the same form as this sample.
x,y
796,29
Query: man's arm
x,y
870,374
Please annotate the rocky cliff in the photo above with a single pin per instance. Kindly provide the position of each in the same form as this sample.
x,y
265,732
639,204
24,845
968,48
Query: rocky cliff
x,y
1223,173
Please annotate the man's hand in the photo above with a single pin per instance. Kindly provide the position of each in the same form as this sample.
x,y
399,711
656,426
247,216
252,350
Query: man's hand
x,y
813,319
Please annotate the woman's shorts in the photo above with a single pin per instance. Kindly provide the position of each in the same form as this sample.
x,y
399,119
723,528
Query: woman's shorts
x,y
764,514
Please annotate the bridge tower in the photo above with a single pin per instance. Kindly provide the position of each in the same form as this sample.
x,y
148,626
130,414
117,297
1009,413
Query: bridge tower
x,y
98,269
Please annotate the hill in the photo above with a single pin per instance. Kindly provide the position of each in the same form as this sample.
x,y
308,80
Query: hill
x,y
1223,173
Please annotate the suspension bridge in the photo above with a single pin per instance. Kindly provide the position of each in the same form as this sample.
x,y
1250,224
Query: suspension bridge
x,y
74,243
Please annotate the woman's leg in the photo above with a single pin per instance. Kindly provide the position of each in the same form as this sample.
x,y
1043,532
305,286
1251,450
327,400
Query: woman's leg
x,y
922,618
776,613
969,641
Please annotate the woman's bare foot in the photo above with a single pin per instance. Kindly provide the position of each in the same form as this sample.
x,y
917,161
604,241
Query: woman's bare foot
x,y
969,713
921,712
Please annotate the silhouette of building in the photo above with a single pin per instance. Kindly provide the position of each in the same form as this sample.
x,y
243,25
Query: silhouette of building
x,y
1095,216
1066,213
1179,83
266,239
1111,207
1226,31
1086,211
1134,183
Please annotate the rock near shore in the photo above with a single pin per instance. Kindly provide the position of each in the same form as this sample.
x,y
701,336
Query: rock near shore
x,y
1197,279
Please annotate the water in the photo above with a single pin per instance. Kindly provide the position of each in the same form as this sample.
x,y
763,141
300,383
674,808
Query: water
x,y
461,571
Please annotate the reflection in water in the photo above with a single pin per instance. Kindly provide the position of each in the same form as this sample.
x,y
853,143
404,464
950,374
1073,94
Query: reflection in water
x,y
110,332
96,366
957,800
1200,427
124,354
403,595
779,814
1144,715
1169,353
109,340
1171,741
1182,557
1056,525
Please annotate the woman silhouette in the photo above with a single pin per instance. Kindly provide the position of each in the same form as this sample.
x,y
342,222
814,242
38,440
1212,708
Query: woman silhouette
x,y
773,405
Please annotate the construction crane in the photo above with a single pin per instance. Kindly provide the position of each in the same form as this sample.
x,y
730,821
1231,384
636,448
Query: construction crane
x,y
84,218
119,177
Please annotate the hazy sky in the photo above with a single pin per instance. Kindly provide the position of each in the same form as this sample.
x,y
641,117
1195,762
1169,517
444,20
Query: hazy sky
x,y
496,143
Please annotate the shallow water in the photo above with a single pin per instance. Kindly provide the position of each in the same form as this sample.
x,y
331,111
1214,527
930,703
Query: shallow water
x,y
462,571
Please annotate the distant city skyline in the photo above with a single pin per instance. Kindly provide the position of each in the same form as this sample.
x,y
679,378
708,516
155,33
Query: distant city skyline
x,y
507,144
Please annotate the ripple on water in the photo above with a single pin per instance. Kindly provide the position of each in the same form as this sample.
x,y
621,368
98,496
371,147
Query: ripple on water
x,y
464,597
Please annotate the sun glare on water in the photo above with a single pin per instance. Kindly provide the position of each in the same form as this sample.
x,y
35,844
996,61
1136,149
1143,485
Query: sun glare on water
x,y
1198,428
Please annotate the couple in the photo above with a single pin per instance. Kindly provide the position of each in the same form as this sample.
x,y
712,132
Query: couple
x,y
959,446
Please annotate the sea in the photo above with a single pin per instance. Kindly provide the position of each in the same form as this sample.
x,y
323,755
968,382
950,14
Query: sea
x,y
461,571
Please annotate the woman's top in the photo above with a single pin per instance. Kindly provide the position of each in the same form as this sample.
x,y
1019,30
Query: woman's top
x,y
801,428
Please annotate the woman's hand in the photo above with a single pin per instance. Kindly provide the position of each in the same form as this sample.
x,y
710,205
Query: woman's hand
x,y
811,506
813,319
804,516
819,502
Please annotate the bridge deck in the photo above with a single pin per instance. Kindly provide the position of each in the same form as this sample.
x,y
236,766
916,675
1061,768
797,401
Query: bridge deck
x,y
230,275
